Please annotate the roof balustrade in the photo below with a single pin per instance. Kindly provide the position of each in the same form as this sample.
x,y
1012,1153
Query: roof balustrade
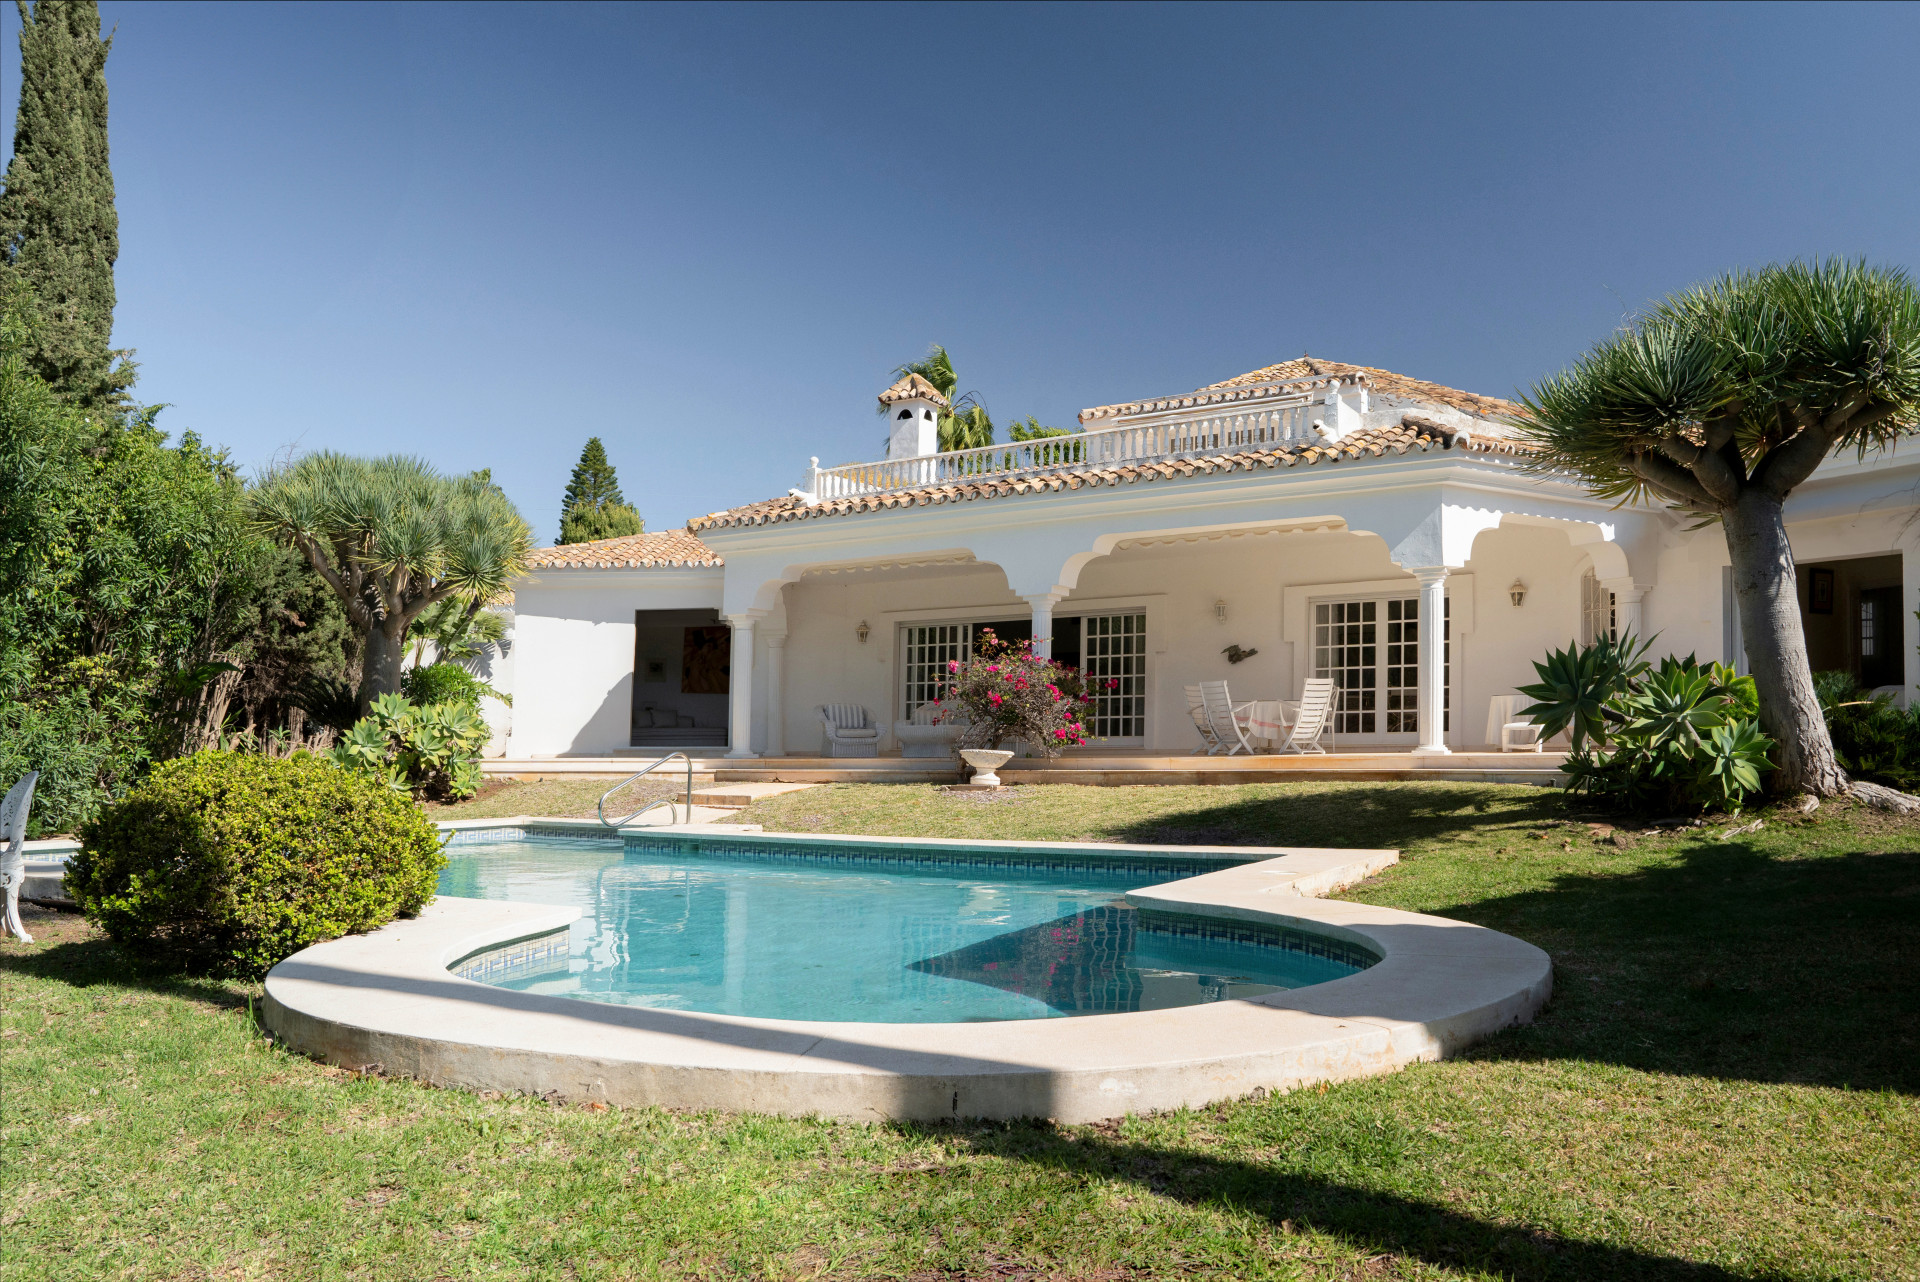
x,y
1269,427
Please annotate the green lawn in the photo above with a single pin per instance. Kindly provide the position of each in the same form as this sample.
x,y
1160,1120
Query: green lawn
x,y
562,798
1724,1086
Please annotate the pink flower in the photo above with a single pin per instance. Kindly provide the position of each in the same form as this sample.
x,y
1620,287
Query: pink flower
x,y
953,665
994,699
1113,683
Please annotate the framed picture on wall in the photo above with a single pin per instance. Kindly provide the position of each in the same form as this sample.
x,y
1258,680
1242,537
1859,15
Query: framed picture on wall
x,y
705,660
1819,591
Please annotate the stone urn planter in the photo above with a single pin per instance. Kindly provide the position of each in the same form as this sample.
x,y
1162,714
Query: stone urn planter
x,y
984,762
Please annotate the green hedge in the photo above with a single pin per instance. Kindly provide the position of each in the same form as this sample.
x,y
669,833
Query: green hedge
x,y
225,863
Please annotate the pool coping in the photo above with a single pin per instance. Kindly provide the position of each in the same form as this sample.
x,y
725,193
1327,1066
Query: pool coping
x,y
388,998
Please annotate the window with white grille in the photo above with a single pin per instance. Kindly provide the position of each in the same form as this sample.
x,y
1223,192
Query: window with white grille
x,y
930,647
1377,675
1598,618
1113,647
1346,648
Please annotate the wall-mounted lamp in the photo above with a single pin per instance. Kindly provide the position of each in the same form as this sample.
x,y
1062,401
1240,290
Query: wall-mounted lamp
x,y
1219,611
1517,591
862,631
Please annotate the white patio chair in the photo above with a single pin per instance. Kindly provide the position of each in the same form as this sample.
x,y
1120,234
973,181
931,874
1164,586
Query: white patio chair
x,y
13,853
1506,728
849,730
1225,720
1197,709
1314,718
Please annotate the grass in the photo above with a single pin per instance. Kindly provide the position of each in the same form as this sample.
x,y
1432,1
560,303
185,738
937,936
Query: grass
x,y
560,798
1724,1086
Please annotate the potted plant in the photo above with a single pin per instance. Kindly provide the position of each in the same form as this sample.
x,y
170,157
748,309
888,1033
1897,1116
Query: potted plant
x,y
1006,694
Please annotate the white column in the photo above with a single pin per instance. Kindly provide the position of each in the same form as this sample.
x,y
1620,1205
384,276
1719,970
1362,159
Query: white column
x,y
776,712
1433,661
1042,604
740,687
1627,617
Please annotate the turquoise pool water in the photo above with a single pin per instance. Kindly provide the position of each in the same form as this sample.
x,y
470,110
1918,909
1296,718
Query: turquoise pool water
x,y
688,929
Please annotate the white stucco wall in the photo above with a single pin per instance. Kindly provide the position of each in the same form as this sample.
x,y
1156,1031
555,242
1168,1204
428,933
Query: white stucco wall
x,y
573,654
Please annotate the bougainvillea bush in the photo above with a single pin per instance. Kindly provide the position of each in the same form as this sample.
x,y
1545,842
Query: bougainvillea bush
x,y
1010,693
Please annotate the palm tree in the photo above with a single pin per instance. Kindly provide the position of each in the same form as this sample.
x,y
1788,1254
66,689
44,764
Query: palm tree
x,y
393,539
1718,403
966,425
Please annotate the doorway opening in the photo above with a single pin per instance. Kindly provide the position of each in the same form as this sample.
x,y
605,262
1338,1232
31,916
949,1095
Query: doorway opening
x,y
1855,620
682,669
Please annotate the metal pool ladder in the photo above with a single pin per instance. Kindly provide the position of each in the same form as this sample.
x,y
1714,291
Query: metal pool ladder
x,y
657,801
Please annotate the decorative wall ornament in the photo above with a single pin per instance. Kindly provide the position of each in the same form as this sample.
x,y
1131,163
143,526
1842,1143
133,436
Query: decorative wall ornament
x,y
1235,654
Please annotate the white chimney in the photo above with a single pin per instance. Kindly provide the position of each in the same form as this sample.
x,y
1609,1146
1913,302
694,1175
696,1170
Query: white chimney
x,y
913,407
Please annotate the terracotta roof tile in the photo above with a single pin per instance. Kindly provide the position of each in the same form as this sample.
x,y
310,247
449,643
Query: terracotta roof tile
x,y
1287,377
913,387
667,550
1412,433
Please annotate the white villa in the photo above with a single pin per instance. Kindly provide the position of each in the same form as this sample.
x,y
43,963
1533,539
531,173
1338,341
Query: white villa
x,y
1324,519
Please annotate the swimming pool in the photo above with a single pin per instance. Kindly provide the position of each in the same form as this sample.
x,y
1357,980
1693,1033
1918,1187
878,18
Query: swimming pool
x,y
798,929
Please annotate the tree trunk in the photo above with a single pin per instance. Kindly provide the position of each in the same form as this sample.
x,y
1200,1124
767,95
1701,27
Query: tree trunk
x,y
381,665
1763,584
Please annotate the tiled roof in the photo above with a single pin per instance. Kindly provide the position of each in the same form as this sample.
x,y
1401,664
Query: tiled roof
x,y
1410,434
1259,384
667,550
913,387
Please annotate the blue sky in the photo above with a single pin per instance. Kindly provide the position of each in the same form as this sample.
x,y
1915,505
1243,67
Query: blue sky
x,y
706,234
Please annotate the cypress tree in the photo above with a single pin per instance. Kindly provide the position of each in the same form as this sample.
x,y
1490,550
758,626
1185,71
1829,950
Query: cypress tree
x,y
593,507
59,233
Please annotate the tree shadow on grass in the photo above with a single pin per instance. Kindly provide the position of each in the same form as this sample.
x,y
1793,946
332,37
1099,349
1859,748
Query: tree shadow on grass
x,y
1370,1220
72,954
1786,956
1379,815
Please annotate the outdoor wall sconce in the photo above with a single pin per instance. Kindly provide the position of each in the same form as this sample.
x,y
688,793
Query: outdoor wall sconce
x,y
1517,591
862,631
1219,611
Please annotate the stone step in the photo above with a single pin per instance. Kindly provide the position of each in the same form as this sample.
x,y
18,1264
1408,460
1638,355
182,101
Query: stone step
x,y
739,795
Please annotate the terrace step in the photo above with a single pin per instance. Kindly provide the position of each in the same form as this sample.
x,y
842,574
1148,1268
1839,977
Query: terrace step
x,y
738,796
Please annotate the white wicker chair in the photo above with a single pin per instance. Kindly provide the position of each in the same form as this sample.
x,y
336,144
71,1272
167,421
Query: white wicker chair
x,y
850,732
1314,718
13,854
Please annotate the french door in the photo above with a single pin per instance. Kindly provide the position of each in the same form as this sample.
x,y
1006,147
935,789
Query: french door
x,y
1110,648
1371,649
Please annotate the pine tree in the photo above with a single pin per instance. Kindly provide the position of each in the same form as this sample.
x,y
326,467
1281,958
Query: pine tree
x,y
593,507
58,229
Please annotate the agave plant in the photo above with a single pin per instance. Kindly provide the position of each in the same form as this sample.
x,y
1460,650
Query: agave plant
x,y
1734,757
1679,736
431,751
1576,684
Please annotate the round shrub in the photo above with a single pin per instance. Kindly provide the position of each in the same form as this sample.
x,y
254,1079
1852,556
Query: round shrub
x,y
225,863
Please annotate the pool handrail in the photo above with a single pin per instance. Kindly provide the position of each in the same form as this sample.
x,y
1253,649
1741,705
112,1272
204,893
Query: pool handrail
x,y
601,809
